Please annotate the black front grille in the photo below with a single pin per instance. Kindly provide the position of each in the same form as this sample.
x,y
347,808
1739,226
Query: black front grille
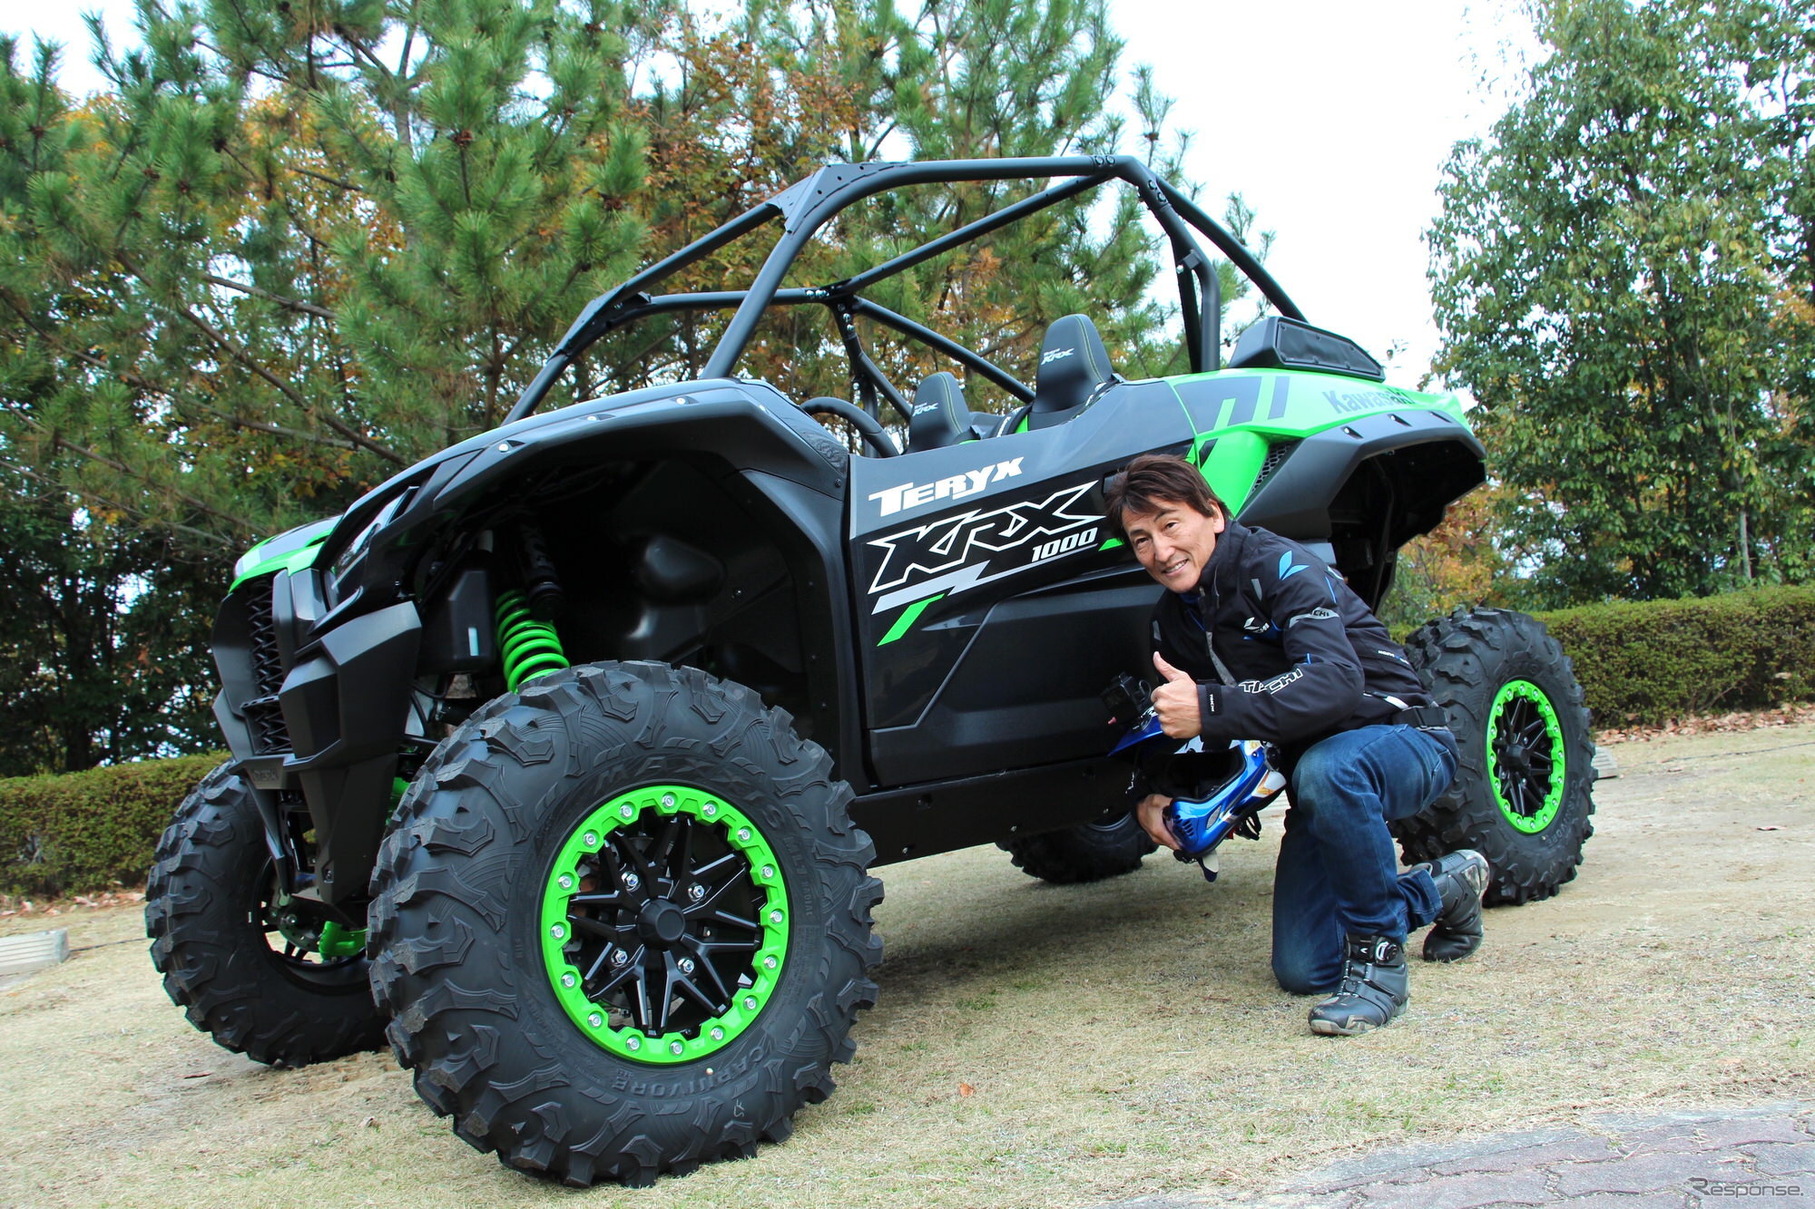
x,y
263,711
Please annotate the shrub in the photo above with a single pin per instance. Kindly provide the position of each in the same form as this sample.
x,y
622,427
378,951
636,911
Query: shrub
x,y
89,830
1663,660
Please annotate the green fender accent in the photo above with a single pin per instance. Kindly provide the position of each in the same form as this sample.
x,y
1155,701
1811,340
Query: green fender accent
x,y
294,560
292,550
1523,707
1230,465
561,946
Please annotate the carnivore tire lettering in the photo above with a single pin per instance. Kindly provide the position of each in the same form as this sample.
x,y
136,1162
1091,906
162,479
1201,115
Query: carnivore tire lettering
x,y
622,922
1522,795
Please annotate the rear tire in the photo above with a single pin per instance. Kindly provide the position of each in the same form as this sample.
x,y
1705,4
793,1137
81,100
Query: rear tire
x,y
622,921
1089,852
215,938
1525,769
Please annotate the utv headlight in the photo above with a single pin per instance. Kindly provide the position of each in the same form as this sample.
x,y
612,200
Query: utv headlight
x,y
355,552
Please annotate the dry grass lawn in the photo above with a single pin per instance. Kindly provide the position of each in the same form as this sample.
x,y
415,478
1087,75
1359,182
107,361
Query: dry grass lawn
x,y
1046,1046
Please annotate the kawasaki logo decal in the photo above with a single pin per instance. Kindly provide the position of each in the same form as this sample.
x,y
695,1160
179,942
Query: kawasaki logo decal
x,y
912,495
958,552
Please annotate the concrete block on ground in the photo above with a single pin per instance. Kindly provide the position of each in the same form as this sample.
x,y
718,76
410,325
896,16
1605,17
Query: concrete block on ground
x,y
33,951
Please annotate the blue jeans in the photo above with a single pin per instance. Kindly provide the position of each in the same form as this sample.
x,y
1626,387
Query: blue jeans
x,y
1338,872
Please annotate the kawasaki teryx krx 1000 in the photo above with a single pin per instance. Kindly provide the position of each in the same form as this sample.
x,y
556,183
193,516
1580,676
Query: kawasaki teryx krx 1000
x,y
563,758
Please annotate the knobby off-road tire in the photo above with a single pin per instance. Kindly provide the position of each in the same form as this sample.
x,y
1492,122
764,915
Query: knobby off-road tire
x,y
622,923
214,937
1088,852
1522,794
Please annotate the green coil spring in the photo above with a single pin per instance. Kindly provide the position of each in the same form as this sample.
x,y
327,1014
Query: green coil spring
x,y
530,648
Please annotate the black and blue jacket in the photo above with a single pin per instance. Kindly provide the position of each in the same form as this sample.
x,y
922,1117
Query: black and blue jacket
x,y
1282,650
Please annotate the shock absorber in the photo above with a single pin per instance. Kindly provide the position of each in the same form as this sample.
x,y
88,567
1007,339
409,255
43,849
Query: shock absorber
x,y
527,646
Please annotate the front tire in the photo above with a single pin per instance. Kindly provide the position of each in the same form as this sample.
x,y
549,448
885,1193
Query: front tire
x,y
247,968
1525,769
622,920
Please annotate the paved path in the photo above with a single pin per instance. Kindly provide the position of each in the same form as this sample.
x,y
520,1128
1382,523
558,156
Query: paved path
x,y
1680,1160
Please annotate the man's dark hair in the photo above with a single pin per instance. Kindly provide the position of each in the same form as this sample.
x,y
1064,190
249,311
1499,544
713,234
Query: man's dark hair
x,y
1154,479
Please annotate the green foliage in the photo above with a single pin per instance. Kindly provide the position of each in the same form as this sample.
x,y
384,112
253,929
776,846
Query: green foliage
x,y
1622,272
1659,661
102,658
90,830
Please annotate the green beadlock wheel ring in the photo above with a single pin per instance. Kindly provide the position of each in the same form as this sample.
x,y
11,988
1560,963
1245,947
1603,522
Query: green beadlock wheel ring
x,y
705,906
1525,750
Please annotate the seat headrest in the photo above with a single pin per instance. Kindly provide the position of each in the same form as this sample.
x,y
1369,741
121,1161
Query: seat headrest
x,y
939,417
1074,365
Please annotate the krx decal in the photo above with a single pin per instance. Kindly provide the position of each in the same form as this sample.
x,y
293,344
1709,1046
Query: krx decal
x,y
958,552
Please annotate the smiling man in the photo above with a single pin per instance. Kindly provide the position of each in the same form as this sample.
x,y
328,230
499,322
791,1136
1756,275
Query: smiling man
x,y
1257,638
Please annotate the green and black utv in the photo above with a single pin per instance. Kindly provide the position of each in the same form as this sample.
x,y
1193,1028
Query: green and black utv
x,y
565,758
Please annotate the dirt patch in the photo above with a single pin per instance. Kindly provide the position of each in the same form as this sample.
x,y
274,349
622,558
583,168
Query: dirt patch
x,y
1039,1045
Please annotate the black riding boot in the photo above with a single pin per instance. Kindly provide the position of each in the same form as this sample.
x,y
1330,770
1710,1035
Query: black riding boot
x,y
1375,987
1461,879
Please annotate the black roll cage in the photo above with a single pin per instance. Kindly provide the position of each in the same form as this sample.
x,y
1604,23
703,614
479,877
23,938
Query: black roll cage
x,y
809,204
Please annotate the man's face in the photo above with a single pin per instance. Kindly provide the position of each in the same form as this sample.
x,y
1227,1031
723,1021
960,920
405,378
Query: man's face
x,y
1174,542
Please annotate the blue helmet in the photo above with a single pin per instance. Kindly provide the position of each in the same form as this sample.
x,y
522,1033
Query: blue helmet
x,y
1200,823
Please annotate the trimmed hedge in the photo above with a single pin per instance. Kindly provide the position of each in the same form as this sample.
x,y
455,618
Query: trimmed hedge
x,y
87,831
1642,664
1660,661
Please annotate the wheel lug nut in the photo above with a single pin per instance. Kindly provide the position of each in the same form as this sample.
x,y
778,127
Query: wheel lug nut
x,y
685,964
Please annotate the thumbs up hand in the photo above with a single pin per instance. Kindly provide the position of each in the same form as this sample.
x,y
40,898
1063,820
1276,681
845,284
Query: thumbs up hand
x,y
1175,702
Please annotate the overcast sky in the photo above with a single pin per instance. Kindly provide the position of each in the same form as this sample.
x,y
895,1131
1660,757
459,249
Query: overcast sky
x,y
1332,118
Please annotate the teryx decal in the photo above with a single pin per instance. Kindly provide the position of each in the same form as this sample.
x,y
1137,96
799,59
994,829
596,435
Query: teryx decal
x,y
957,486
955,553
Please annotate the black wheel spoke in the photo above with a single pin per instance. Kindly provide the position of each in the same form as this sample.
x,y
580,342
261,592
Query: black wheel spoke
x,y
667,1000
684,983
708,905
598,927
726,864
703,951
680,859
